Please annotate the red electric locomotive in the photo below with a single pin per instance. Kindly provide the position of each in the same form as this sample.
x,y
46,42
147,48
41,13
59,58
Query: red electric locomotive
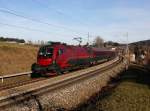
x,y
57,57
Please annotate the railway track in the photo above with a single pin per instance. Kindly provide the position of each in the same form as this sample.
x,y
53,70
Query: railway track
x,y
19,79
8,86
46,85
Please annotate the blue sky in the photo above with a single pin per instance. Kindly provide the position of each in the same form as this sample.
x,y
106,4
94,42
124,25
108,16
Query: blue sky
x,y
66,19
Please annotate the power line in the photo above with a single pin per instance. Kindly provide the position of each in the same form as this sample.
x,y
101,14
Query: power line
x,y
26,28
42,4
25,17
8,11
57,11
30,29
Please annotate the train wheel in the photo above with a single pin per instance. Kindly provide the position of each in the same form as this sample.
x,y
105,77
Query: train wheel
x,y
58,70
34,75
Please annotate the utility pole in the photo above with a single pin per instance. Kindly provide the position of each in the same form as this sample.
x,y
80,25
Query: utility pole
x,y
127,47
88,37
127,50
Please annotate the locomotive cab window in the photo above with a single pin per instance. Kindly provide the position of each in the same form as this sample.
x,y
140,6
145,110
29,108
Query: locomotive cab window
x,y
46,51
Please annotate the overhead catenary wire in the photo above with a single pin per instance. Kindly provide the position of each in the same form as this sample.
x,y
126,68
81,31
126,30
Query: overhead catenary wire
x,y
29,29
25,17
8,11
44,5
22,27
57,11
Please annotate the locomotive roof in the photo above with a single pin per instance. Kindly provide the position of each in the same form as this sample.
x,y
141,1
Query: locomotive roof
x,y
58,44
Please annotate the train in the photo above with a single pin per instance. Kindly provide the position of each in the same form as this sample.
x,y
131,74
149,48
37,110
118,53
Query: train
x,y
59,57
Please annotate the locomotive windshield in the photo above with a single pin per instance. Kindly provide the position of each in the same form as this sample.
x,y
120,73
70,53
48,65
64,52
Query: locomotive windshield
x,y
46,51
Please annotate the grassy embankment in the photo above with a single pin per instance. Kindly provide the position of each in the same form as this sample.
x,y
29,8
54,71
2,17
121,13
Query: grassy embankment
x,y
131,94
16,58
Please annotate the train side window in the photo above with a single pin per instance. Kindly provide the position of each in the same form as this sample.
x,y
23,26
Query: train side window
x,y
60,51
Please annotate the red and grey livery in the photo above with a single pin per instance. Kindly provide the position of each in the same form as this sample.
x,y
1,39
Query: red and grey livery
x,y
58,57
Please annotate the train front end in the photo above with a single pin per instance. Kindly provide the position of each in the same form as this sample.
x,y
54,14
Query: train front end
x,y
45,61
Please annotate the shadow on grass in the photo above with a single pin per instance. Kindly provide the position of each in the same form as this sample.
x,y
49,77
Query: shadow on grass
x,y
136,74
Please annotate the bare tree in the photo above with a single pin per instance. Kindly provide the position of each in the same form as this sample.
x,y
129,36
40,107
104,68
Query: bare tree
x,y
42,42
29,42
98,42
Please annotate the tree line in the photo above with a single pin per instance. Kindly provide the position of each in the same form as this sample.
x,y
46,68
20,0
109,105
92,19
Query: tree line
x,y
99,42
3,39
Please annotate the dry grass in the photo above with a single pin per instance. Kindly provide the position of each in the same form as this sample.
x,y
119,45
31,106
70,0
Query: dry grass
x,y
132,94
16,58
127,97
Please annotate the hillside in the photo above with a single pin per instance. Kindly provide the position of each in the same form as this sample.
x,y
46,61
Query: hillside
x,y
144,42
16,58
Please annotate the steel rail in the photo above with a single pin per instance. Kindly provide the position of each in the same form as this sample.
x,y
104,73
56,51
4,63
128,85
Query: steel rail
x,y
14,75
3,77
49,87
17,84
74,79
